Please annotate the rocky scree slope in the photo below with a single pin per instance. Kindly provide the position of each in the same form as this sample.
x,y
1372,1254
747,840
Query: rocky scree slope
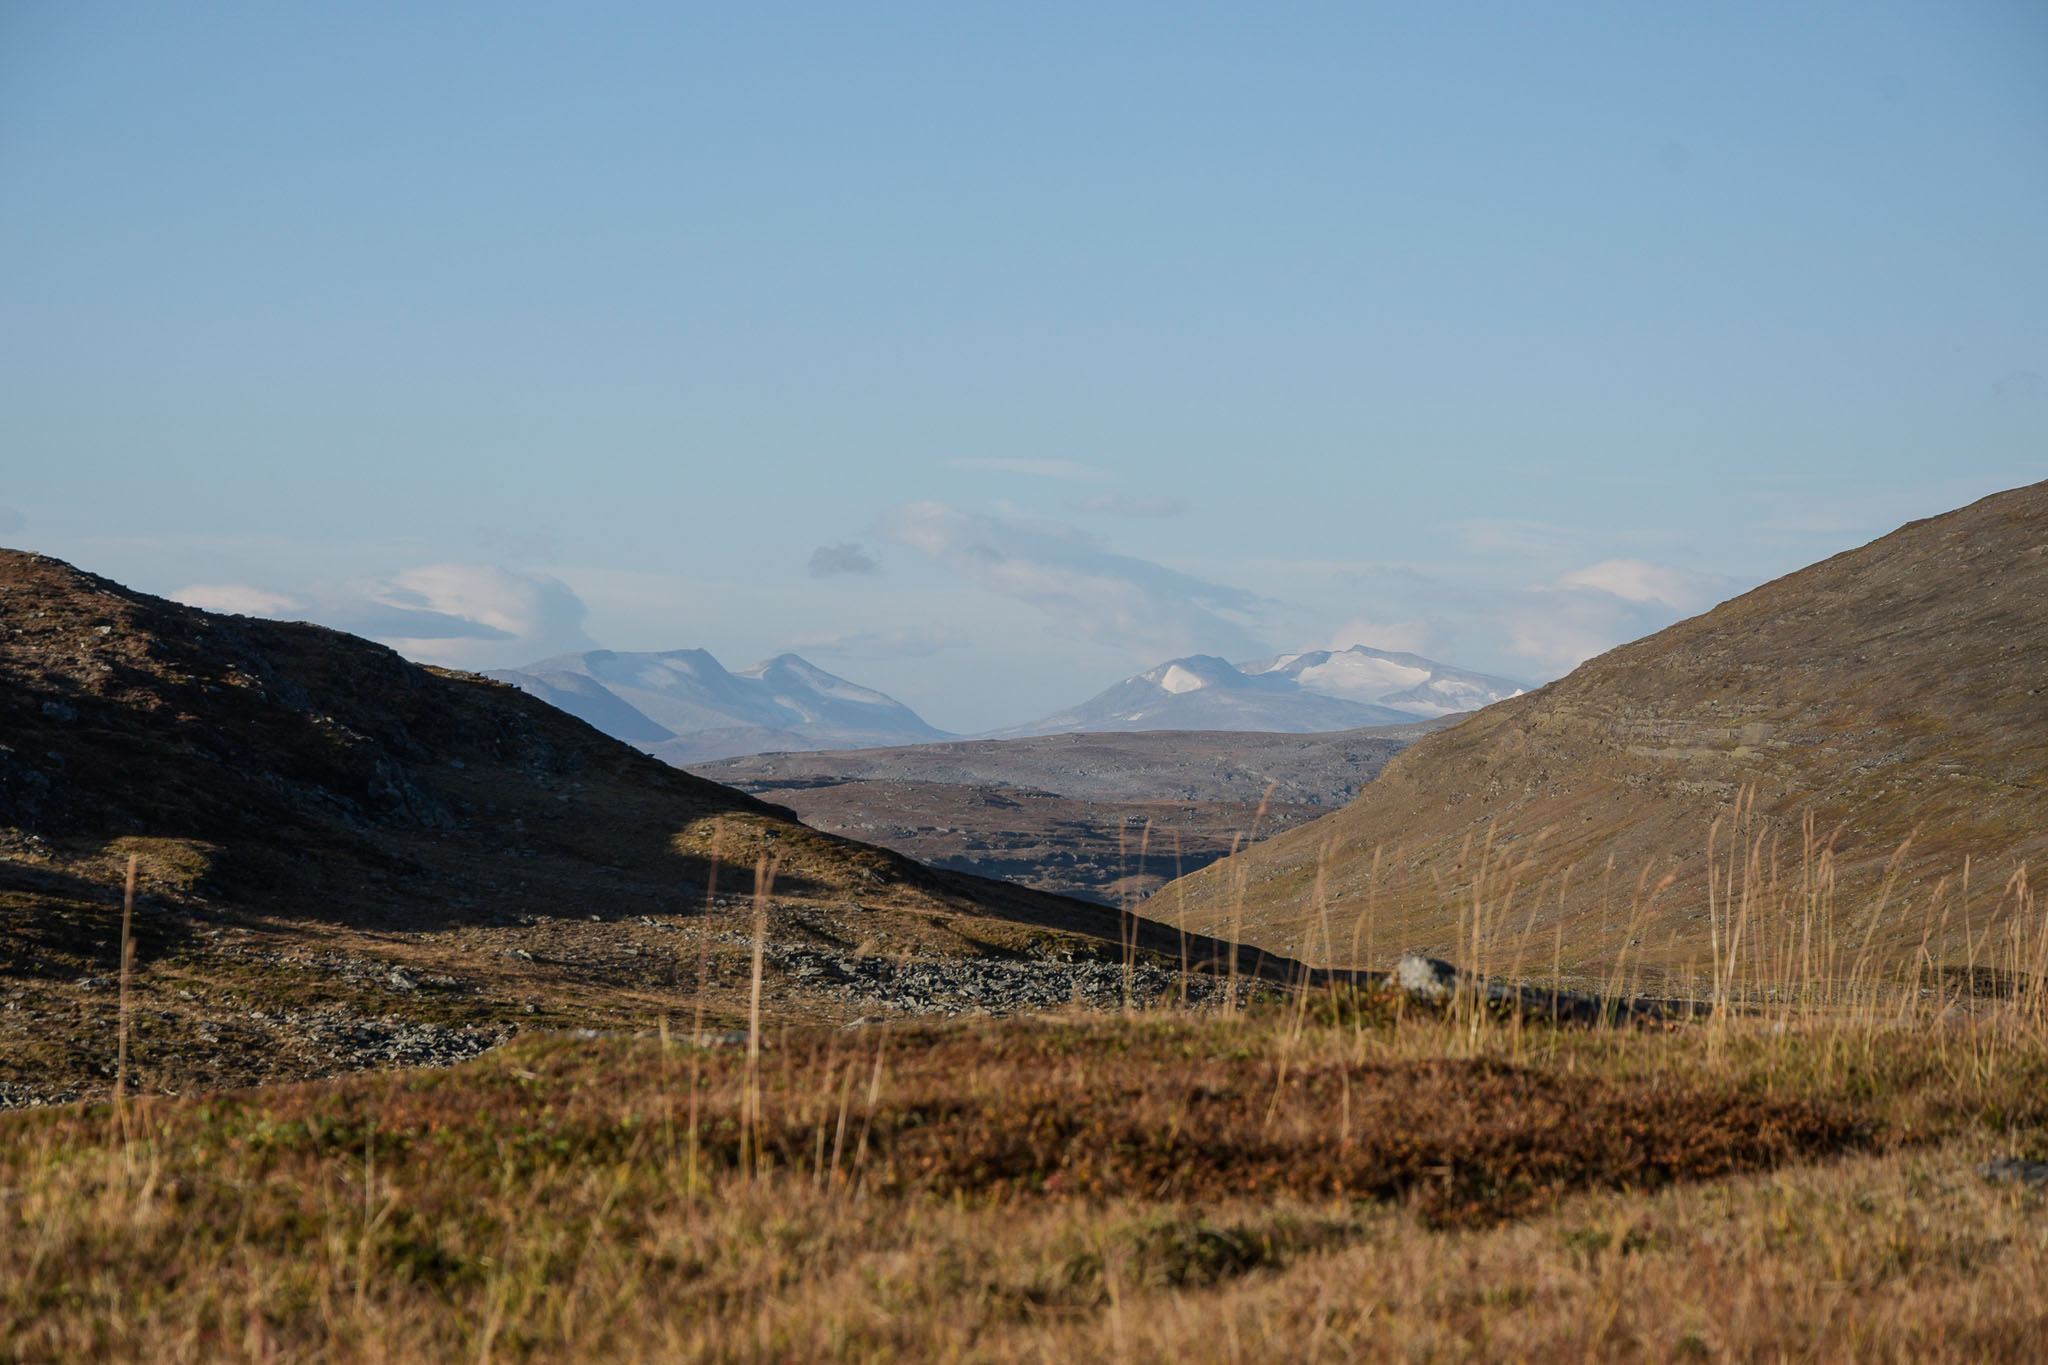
x,y
1895,691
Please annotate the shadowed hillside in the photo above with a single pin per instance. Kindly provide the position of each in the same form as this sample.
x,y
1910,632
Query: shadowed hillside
x,y
1895,692
347,859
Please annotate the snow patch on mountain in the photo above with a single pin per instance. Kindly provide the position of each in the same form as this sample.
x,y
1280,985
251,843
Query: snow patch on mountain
x,y
1410,683
802,679
683,706
1300,693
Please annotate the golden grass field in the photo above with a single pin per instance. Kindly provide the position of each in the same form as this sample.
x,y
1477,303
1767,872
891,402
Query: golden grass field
x,y
1793,1158
1336,1175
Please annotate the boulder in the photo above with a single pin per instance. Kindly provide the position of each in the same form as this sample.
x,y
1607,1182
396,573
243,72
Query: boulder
x,y
1430,978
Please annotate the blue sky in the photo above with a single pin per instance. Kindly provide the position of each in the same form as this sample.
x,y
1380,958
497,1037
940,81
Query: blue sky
x,y
988,356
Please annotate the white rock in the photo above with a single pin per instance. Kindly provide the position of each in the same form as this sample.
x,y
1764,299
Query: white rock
x,y
1428,977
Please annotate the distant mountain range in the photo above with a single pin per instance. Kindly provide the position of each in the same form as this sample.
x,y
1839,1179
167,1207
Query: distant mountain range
x,y
1294,693
683,706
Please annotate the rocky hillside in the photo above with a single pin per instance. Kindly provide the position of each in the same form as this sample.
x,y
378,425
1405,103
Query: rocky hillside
x,y
1895,696
347,859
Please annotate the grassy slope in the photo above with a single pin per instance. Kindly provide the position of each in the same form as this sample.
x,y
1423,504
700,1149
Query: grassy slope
x,y
1891,692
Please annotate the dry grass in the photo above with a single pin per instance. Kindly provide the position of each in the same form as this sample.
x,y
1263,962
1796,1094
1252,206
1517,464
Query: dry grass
x,y
1350,1178
1333,1174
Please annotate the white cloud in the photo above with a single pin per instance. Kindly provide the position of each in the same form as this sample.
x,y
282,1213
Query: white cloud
x,y
461,615
509,544
1471,614
1401,637
1558,629
1638,580
913,642
1492,536
1588,611
236,599
1550,541
1038,469
1119,505
1113,599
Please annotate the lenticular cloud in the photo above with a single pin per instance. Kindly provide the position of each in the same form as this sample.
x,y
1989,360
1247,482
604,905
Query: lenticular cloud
x,y
1111,598
462,615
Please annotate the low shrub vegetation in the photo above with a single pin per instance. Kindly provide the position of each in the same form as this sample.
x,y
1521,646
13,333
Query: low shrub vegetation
x,y
1360,1178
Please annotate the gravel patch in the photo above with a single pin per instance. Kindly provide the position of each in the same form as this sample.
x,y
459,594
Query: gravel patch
x,y
990,985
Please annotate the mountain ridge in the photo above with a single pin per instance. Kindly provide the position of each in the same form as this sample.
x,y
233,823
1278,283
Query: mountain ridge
x,y
683,706
1310,692
686,708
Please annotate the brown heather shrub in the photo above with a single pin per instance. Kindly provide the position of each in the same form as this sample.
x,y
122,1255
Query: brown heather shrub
x,y
1376,1183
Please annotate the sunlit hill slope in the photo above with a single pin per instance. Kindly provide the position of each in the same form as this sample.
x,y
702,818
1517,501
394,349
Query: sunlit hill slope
x,y
1880,716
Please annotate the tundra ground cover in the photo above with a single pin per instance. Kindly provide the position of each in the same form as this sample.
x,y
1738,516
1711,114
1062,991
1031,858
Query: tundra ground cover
x,y
1334,1177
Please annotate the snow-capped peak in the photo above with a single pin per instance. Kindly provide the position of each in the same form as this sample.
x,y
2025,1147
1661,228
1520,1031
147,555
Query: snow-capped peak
x,y
685,706
1308,691
800,675
1405,682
